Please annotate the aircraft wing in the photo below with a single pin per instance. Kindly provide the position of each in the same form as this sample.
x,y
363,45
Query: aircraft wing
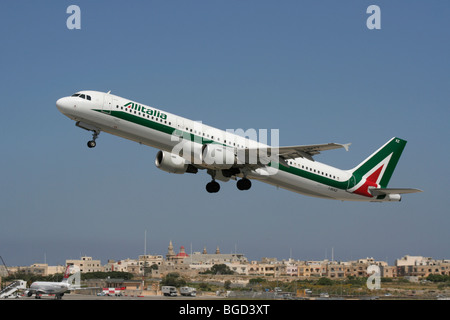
x,y
280,154
308,151
381,191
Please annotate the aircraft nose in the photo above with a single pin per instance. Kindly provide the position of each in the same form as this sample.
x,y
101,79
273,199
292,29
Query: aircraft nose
x,y
63,104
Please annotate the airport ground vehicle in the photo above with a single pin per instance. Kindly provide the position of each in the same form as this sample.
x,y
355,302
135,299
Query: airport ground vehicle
x,y
188,291
169,291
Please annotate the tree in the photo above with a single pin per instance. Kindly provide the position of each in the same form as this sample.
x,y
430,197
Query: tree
x,y
325,282
173,279
256,281
438,278
219,269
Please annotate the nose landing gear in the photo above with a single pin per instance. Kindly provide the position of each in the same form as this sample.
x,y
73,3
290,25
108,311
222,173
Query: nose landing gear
x,y
92,143
92,128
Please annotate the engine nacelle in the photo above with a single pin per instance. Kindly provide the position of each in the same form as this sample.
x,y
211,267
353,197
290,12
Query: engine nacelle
x,y
172,163
388,197
217,157
393,197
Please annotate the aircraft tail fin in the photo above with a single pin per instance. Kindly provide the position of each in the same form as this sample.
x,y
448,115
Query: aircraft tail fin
x,y
377,169
67,273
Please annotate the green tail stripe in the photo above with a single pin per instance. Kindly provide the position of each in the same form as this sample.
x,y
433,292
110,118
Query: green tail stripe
x,y
395,147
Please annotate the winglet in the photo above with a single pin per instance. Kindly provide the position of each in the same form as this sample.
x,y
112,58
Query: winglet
x,y
346,146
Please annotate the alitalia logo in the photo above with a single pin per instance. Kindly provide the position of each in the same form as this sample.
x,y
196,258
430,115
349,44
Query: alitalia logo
x,y
149,111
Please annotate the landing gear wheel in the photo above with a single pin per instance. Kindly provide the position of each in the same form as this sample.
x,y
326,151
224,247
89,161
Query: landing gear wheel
x,y
244,184
92,144
212,187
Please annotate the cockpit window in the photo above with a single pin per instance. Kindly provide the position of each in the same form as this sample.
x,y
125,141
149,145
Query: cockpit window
x,y
82,96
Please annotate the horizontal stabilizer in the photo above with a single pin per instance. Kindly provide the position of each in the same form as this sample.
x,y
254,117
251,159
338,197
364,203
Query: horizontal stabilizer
x,y
383,191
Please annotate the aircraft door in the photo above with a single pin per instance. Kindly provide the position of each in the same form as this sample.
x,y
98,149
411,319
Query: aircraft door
x,y
180,127
107,104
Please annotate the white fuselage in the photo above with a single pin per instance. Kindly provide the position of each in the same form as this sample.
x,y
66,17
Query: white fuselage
x,y
49,287
154,127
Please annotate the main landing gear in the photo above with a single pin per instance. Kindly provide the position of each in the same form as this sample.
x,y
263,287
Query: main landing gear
x,y
92,144
214,186
244,184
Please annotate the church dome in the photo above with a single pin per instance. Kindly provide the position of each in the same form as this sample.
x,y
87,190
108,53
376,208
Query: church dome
x,y
182,253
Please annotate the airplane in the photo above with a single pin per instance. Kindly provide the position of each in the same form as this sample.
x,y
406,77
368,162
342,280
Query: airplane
x,y
186,146
47,287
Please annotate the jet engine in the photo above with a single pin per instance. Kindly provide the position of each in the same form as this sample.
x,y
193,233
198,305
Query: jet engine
x,y
172,163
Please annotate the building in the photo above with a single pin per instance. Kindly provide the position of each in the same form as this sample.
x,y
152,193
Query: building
x,y
389,271
86,264
267,267
418,266
175,258
202,261
205,258
336,270
41,269
126,265
150,260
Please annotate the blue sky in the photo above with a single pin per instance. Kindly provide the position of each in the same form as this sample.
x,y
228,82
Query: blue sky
x,y
309,68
